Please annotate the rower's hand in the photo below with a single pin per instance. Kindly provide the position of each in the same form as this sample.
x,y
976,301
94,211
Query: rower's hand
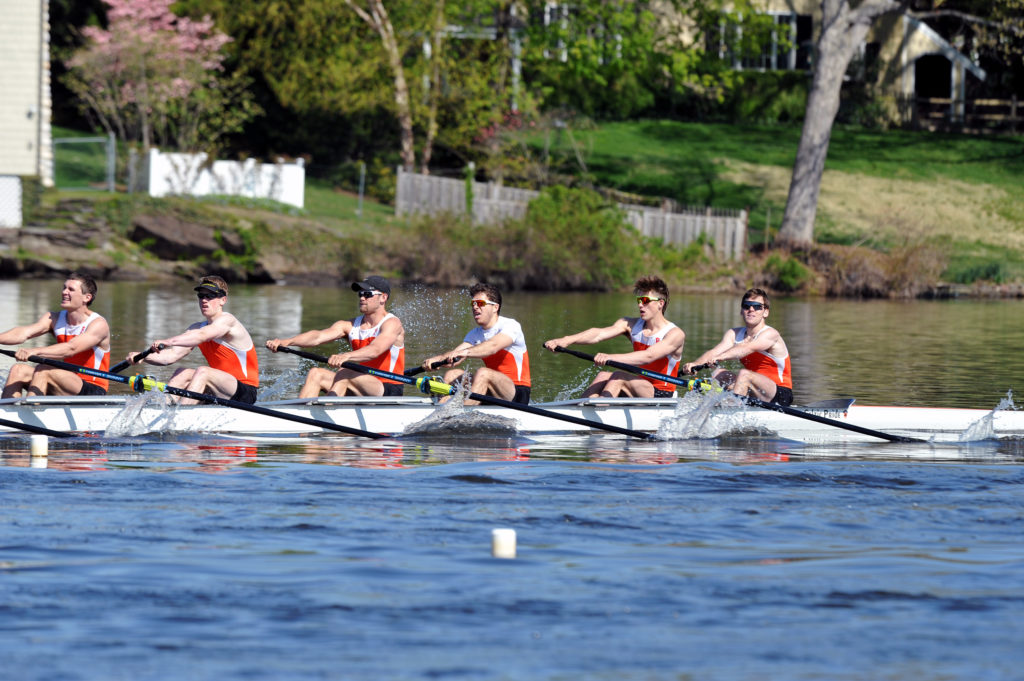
x,y
131,357
159,345
688,369
335,361
274,343
553,344
22,354
601,358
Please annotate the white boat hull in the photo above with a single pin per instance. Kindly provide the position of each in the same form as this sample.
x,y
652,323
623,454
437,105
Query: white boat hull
x,y
118,416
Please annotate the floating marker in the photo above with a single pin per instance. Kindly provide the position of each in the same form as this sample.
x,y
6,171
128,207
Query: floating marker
x,y
503,543
39,445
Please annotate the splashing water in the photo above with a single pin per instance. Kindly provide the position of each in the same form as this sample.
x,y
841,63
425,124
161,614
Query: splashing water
x,y
693,417
143,413
574,390
984,428
452,417
283,386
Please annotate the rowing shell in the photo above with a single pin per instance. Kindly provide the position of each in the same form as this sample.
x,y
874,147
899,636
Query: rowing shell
x,y
688,418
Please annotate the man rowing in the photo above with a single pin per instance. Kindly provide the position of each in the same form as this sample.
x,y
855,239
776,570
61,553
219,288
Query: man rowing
x,y
499,342
233,369
83,338
766,372
376,336
657,346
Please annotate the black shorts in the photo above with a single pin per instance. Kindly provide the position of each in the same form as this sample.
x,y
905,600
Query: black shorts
x,y
393,389
522,395
664,393
783,396
91,389
245,393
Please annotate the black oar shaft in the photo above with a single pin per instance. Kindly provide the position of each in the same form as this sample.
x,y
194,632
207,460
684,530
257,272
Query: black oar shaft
x,y
150,384
477,396
38,430
750,400
125,363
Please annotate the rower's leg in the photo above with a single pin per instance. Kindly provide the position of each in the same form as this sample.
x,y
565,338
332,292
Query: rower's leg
x,y
490,382
755,385
18,379
597,387
317,380
53,381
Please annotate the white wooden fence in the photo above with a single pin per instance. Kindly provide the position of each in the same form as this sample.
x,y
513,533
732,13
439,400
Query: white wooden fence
x,y
193,175
493,203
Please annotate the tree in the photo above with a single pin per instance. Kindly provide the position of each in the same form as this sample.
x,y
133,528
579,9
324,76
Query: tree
x,y
843,30
153,77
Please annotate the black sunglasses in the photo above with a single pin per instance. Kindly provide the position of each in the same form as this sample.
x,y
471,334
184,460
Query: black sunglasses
x,y
747,305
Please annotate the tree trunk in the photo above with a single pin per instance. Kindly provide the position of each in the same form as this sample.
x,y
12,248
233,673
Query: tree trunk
x,y
435,86
842,32
376,15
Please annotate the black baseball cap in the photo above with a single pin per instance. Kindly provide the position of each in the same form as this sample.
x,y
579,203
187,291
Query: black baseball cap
x,y
372,283
211,288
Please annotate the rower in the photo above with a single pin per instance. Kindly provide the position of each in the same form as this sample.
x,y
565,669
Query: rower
x,y
83,339
233,371
766,372
657,346
377,338
499,342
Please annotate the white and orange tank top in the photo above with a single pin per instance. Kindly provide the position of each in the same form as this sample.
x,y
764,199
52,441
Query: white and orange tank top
x,y
392,359
666,365
512,361
244,365
776,368
90,358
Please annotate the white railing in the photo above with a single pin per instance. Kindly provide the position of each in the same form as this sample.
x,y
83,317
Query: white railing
x,y
193,175
493,202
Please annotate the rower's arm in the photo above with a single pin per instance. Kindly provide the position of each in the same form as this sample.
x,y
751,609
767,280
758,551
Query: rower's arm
x,y
94,335
498,341
590,336
714,354
388,336
671,344
20,334
312,338
447,358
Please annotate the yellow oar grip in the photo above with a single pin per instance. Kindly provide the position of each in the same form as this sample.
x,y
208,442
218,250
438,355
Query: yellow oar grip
x,y
432,386
144,383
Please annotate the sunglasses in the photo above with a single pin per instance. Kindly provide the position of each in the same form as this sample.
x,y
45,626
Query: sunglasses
x,y
646,300
207,296
480,303
747,305
368,294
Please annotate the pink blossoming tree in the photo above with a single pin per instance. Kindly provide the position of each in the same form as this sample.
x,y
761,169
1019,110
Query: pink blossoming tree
x,y
153,77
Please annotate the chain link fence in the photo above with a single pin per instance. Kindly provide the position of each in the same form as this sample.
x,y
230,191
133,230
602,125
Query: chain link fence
x,y
85,163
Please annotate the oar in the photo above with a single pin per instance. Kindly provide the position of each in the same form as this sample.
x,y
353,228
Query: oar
x,y
749,400
143,383
34,429
125,363
439,388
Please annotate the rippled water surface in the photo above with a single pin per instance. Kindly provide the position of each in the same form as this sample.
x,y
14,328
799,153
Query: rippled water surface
x,y
327,557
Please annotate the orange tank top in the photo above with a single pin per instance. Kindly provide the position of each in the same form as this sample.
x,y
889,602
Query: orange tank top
x,y
776,368
244,365
392,359
90,358
666,365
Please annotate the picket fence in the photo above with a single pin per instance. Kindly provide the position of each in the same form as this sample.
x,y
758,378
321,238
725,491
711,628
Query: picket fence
x,y
494,203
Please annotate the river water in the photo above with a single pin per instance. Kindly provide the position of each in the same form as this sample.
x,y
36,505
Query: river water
x,y
334,558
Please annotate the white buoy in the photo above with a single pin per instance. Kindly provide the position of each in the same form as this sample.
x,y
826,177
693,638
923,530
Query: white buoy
x,y
39,445
503,543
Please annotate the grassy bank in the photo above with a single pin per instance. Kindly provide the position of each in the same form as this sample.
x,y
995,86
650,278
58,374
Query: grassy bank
x,y
884,190
899,211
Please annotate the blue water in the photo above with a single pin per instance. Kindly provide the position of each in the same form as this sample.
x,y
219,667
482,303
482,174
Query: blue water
x,y
332,558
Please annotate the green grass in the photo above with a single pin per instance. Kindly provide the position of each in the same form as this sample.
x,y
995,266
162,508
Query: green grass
x,y
80,166
686,162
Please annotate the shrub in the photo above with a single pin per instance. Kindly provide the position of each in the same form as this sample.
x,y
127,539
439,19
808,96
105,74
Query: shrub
x,y
575,239
789,273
